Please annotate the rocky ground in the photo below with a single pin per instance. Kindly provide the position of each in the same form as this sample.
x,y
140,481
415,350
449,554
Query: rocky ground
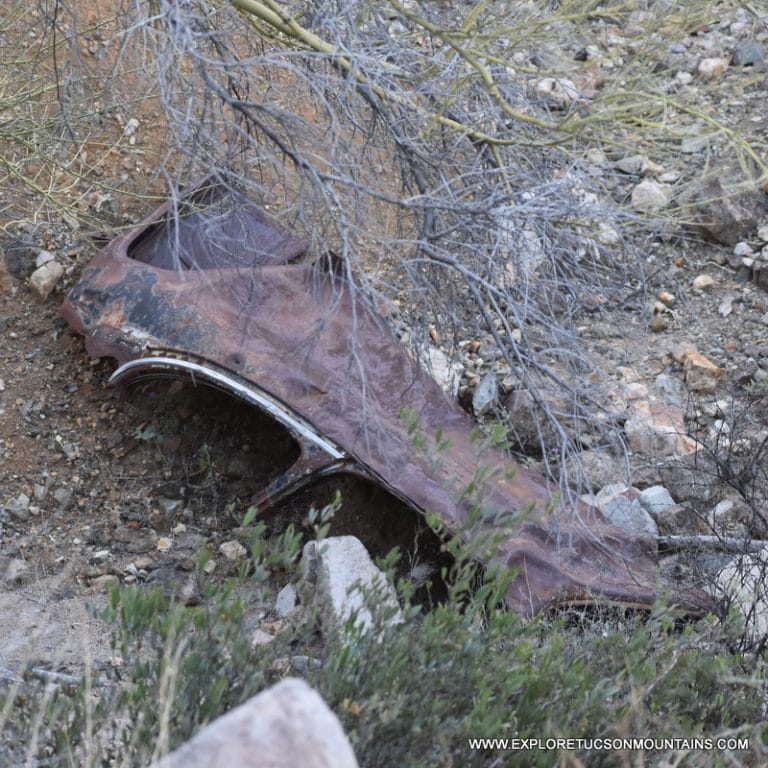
x,y
98,486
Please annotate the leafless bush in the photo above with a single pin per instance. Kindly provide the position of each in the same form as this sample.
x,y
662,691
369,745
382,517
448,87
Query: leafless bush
x,y
409,140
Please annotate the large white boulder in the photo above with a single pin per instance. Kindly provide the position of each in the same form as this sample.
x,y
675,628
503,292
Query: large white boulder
x,y
285,726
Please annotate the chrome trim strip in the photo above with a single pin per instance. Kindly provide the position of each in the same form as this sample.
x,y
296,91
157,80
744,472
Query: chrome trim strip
x,y
249,393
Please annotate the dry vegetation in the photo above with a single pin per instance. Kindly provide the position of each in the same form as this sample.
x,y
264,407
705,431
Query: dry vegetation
x,y
411,140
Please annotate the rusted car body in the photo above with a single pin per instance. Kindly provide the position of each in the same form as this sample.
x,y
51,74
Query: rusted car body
x,y
214,290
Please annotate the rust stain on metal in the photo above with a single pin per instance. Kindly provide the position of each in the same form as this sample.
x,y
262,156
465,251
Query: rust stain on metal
x,y
210,290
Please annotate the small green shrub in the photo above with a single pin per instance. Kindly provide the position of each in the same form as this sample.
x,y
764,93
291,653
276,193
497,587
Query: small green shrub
x,y
417,694
412,693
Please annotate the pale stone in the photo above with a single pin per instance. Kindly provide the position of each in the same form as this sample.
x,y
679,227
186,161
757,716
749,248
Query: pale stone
x,y
446,373
260,637
744,583
286,601
16,572
657,429
607,235
285,726
638,165
336,575
627,374
43,258
712,67
701,374
680,351
635,391
655,500
233,550
702,282
44,279
620,504
557,92
649,196
486,395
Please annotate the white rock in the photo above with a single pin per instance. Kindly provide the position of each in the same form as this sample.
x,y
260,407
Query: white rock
x,y
701,374
232,550
285,726
680,351
742,249
557,92
744,582
620,504
260,637
703,282
596,157
14,572
762,233
43,258
655,500
44,279
657,429
712,67
486,394
635,391
446,373
530,252
336,575
607,235
632,164
649,196
286,601
638,165
726,305
690,145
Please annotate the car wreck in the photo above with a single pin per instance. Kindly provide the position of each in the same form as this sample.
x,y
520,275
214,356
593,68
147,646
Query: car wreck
x,y
212,289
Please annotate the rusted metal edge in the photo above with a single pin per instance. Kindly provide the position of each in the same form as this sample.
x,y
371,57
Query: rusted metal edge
x,y
292,421
295,342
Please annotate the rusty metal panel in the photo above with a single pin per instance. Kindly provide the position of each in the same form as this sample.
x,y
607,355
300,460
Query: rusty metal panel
x,y
291,337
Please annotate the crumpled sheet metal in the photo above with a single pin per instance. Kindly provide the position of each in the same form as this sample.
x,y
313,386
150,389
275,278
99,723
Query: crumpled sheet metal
x,y
292,340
